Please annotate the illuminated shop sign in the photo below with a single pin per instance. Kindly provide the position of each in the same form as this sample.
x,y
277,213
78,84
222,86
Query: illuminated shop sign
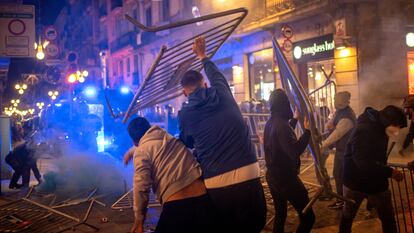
x,y
314,49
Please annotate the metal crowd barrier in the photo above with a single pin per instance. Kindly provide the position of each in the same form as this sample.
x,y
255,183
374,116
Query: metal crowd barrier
x,y
126,201
323,100
26,215
162,81
403,199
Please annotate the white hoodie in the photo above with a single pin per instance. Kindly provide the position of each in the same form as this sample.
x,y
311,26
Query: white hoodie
x,y
163,162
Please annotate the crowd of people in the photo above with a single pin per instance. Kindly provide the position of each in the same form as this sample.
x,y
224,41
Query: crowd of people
x,y
208,179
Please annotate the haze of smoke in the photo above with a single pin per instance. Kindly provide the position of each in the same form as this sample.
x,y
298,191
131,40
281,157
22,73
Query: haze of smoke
x,y
77,172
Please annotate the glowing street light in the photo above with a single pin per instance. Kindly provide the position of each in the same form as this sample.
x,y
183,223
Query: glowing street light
x,y
20,88
40,54
53,94
78,76
409,39
40,105
15,102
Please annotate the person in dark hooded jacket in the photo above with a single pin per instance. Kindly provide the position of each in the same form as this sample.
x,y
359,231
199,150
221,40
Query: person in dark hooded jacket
x,y
212,124
282,154
365,173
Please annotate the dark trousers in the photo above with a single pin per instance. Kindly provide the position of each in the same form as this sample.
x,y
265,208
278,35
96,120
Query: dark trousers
x,y
294,191
24,172
410,136
189,215
337,171
241,207
35,169
380,201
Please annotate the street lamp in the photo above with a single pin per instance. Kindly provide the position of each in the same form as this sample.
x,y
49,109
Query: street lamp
x,y
53,94
15,102
20,88
78,76
40,54
40,105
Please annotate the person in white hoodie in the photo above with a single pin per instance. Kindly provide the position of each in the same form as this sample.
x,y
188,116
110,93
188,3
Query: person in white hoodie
x,y
165,164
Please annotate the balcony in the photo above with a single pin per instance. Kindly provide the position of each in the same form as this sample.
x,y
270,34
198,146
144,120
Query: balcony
x,y
129,38
279,6
115,4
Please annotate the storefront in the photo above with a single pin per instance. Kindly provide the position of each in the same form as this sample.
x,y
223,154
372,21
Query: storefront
x,y
315,60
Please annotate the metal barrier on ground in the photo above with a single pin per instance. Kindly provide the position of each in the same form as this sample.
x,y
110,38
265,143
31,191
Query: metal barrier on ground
x,y
403,199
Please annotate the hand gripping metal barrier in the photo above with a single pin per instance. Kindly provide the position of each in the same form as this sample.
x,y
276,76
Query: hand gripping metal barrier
x,y
126,201
26,215
299,99
162,81
402,194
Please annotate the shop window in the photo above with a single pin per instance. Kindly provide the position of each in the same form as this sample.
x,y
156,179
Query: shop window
x,y
410,63
318,72
262,74
318,75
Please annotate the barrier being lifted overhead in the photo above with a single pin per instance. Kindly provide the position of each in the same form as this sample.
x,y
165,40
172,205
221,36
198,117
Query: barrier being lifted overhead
x,y
162,81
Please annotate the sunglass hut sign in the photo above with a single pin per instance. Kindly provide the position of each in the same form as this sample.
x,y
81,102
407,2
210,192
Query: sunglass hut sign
x,y
314,49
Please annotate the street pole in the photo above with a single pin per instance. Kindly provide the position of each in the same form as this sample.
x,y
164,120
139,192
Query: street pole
x,y
5,142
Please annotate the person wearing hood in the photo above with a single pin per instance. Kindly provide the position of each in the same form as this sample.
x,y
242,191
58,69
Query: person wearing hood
x,y
341,125
165,164
212,124
365,172
282,155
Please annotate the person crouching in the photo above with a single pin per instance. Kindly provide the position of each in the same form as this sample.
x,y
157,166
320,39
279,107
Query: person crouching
x,y
163,162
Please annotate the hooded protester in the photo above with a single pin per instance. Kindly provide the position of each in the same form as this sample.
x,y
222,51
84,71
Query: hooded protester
x,y
341,125
165,164
365,172
282,154
212,124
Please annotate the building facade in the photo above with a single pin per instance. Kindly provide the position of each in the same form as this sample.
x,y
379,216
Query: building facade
x,y
361,45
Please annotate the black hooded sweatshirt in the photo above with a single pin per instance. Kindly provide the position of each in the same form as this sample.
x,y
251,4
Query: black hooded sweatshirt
x,y
365,163
282,148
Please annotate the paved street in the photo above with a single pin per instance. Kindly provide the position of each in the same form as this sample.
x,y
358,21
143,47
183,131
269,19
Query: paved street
x,y
121,220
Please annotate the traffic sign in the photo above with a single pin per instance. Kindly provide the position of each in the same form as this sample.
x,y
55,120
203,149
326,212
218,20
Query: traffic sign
x,y
51,33
17,30
52,50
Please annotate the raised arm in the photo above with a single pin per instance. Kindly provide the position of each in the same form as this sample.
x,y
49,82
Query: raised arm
x,y
214,75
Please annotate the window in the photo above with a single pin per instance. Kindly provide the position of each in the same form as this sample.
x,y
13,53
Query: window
x,y
148,16
410,62
137,69
121,69
128,67
118,25
102,8
114,69
166,9
262,74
